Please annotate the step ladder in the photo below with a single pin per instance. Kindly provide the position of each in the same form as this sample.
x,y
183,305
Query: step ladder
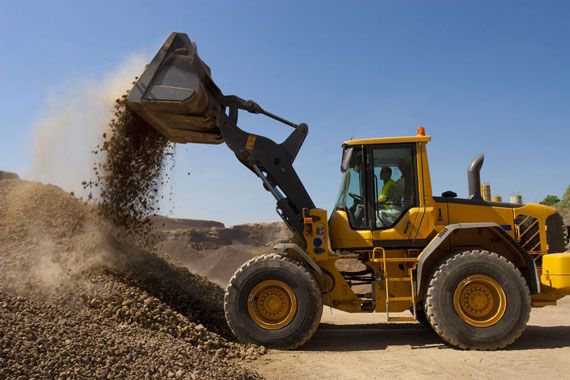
x,y
388,279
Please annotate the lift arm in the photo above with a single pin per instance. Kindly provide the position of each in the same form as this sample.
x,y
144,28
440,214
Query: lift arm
x,y
178,97
271,162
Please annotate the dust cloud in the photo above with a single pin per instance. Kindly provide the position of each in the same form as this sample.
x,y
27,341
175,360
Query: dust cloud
x,y
74,117
48,240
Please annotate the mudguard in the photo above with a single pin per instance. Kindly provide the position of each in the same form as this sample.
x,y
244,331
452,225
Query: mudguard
x,y
422,272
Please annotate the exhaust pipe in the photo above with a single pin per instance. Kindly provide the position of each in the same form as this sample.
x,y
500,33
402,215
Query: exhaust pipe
x,y
474,177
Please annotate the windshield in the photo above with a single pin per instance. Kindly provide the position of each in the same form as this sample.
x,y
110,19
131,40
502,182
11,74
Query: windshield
x,y
351,193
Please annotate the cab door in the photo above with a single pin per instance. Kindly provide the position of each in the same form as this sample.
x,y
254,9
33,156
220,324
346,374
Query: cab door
x,y
403,217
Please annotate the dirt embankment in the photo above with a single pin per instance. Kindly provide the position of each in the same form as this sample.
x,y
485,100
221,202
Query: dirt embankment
x,y
77,302
8,175
211,249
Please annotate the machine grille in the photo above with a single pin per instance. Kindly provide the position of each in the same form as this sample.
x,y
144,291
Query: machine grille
x,y
529,232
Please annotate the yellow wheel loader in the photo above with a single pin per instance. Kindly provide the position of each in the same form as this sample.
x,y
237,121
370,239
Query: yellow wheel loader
x,y
469,268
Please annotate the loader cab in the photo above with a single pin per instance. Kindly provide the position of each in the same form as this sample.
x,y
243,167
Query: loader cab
x,y
367,213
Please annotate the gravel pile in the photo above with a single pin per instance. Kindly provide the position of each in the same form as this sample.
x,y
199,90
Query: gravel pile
x,y
77,301
42,341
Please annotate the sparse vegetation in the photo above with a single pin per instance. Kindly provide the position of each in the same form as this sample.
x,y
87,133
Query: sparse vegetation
x,y
550,200
554,201
562,205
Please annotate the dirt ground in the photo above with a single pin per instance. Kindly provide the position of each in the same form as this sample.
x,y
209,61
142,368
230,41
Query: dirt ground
x,y
363,346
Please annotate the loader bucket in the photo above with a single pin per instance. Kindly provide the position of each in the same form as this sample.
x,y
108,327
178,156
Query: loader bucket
x,y
177,96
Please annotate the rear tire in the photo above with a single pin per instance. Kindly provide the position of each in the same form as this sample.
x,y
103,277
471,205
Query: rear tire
x,y
478,300
273,300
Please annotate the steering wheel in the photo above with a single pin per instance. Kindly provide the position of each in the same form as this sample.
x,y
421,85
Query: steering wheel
x,y
357,197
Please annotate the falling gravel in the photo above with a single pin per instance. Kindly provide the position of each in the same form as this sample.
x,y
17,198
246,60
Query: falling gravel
x,y
129,174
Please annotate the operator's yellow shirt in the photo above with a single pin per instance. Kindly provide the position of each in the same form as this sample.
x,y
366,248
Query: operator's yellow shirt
x,y
389,184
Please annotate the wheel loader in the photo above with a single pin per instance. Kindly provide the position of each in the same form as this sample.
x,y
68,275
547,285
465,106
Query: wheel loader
x,y
468,268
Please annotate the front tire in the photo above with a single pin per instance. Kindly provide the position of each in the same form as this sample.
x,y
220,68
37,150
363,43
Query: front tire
x,y
478,300
273,300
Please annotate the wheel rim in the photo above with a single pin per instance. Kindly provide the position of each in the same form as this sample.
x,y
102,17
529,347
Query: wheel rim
x,y
272,304
480,301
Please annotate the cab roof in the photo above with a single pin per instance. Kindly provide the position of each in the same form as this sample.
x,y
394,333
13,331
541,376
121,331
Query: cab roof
x,y
388,140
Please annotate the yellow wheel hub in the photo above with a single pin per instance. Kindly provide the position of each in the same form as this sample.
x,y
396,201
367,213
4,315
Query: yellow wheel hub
x,y
480,301
272,304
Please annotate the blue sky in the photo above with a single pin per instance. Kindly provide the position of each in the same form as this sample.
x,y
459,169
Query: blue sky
x,y
484,76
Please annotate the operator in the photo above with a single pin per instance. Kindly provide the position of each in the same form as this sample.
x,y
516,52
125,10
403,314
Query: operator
x,y
387,192
400,198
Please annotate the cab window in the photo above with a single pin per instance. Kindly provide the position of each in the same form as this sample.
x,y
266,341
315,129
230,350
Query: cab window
x,y
351,195
394,183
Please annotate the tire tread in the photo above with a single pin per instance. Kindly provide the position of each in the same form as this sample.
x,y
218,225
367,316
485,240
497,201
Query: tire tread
x,y
289,344
443,269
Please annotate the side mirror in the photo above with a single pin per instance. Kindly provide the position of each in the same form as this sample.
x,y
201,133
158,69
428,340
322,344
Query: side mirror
x,y
449,194
346,157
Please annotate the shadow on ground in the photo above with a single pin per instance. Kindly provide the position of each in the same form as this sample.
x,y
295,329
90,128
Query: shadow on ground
x,y
378,336
536,337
